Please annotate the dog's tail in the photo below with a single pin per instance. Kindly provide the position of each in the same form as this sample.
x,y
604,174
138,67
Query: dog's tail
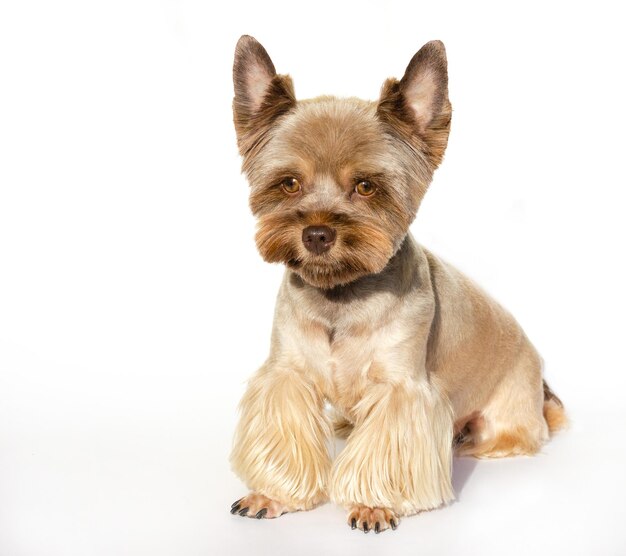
x,y
553,411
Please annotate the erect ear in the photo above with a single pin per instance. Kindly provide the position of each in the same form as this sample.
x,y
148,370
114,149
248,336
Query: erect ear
x,y
418,103
425,83
260,94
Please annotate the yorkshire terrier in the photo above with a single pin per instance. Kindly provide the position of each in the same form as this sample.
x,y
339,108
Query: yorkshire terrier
x,y
416,361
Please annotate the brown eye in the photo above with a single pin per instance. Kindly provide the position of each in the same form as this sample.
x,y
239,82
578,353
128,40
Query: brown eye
x,y
365,188
291,185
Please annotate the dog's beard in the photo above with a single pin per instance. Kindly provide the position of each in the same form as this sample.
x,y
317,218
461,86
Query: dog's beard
x,y
360,248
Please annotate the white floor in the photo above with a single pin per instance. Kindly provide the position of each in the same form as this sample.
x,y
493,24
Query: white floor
x,y
91,469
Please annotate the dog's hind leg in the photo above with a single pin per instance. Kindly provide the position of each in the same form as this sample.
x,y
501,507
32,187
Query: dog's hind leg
x,y
517,418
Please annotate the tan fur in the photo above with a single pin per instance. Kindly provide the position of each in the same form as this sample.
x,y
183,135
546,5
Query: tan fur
x,y
555,417
342,427
410,353
513,442
283,428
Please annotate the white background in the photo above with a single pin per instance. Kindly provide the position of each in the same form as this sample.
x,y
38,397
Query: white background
x,y
133,304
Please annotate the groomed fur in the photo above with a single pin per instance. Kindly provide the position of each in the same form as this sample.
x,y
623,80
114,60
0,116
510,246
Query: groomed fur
x,y
553,410
403,431
280,442
414,357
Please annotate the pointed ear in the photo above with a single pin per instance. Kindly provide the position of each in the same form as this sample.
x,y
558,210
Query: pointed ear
x,y
425,83
418,103
260,94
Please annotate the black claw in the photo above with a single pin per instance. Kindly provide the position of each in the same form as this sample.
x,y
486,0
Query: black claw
x,y
244,511
235,509
236,503
393,524
353,524
377,528
366,529
261,513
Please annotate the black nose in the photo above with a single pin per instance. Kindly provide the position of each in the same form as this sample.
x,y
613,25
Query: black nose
x,y
318,239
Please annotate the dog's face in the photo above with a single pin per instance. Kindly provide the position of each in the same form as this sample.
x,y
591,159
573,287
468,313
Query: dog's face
x,y
335,183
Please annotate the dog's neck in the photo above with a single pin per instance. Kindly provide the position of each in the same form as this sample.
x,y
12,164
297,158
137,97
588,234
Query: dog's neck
x,y
399,277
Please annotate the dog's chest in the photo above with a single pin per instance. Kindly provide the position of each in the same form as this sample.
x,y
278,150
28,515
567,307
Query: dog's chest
x,y
349,362
345,343
345,357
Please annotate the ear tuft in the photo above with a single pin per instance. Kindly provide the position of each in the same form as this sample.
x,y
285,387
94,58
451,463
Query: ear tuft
x,y
425,83
253,72
260,94
418,104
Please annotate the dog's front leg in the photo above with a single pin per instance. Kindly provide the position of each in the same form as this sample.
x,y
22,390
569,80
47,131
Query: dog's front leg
x,y
280,447
398,459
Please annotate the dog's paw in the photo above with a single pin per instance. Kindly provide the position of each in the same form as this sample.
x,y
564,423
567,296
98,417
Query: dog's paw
x,y
258,506
372,519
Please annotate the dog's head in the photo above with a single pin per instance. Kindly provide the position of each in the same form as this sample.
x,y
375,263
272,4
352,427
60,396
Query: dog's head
x,y
335,183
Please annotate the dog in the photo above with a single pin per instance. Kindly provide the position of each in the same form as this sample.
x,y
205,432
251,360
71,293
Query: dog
x,y
415,360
